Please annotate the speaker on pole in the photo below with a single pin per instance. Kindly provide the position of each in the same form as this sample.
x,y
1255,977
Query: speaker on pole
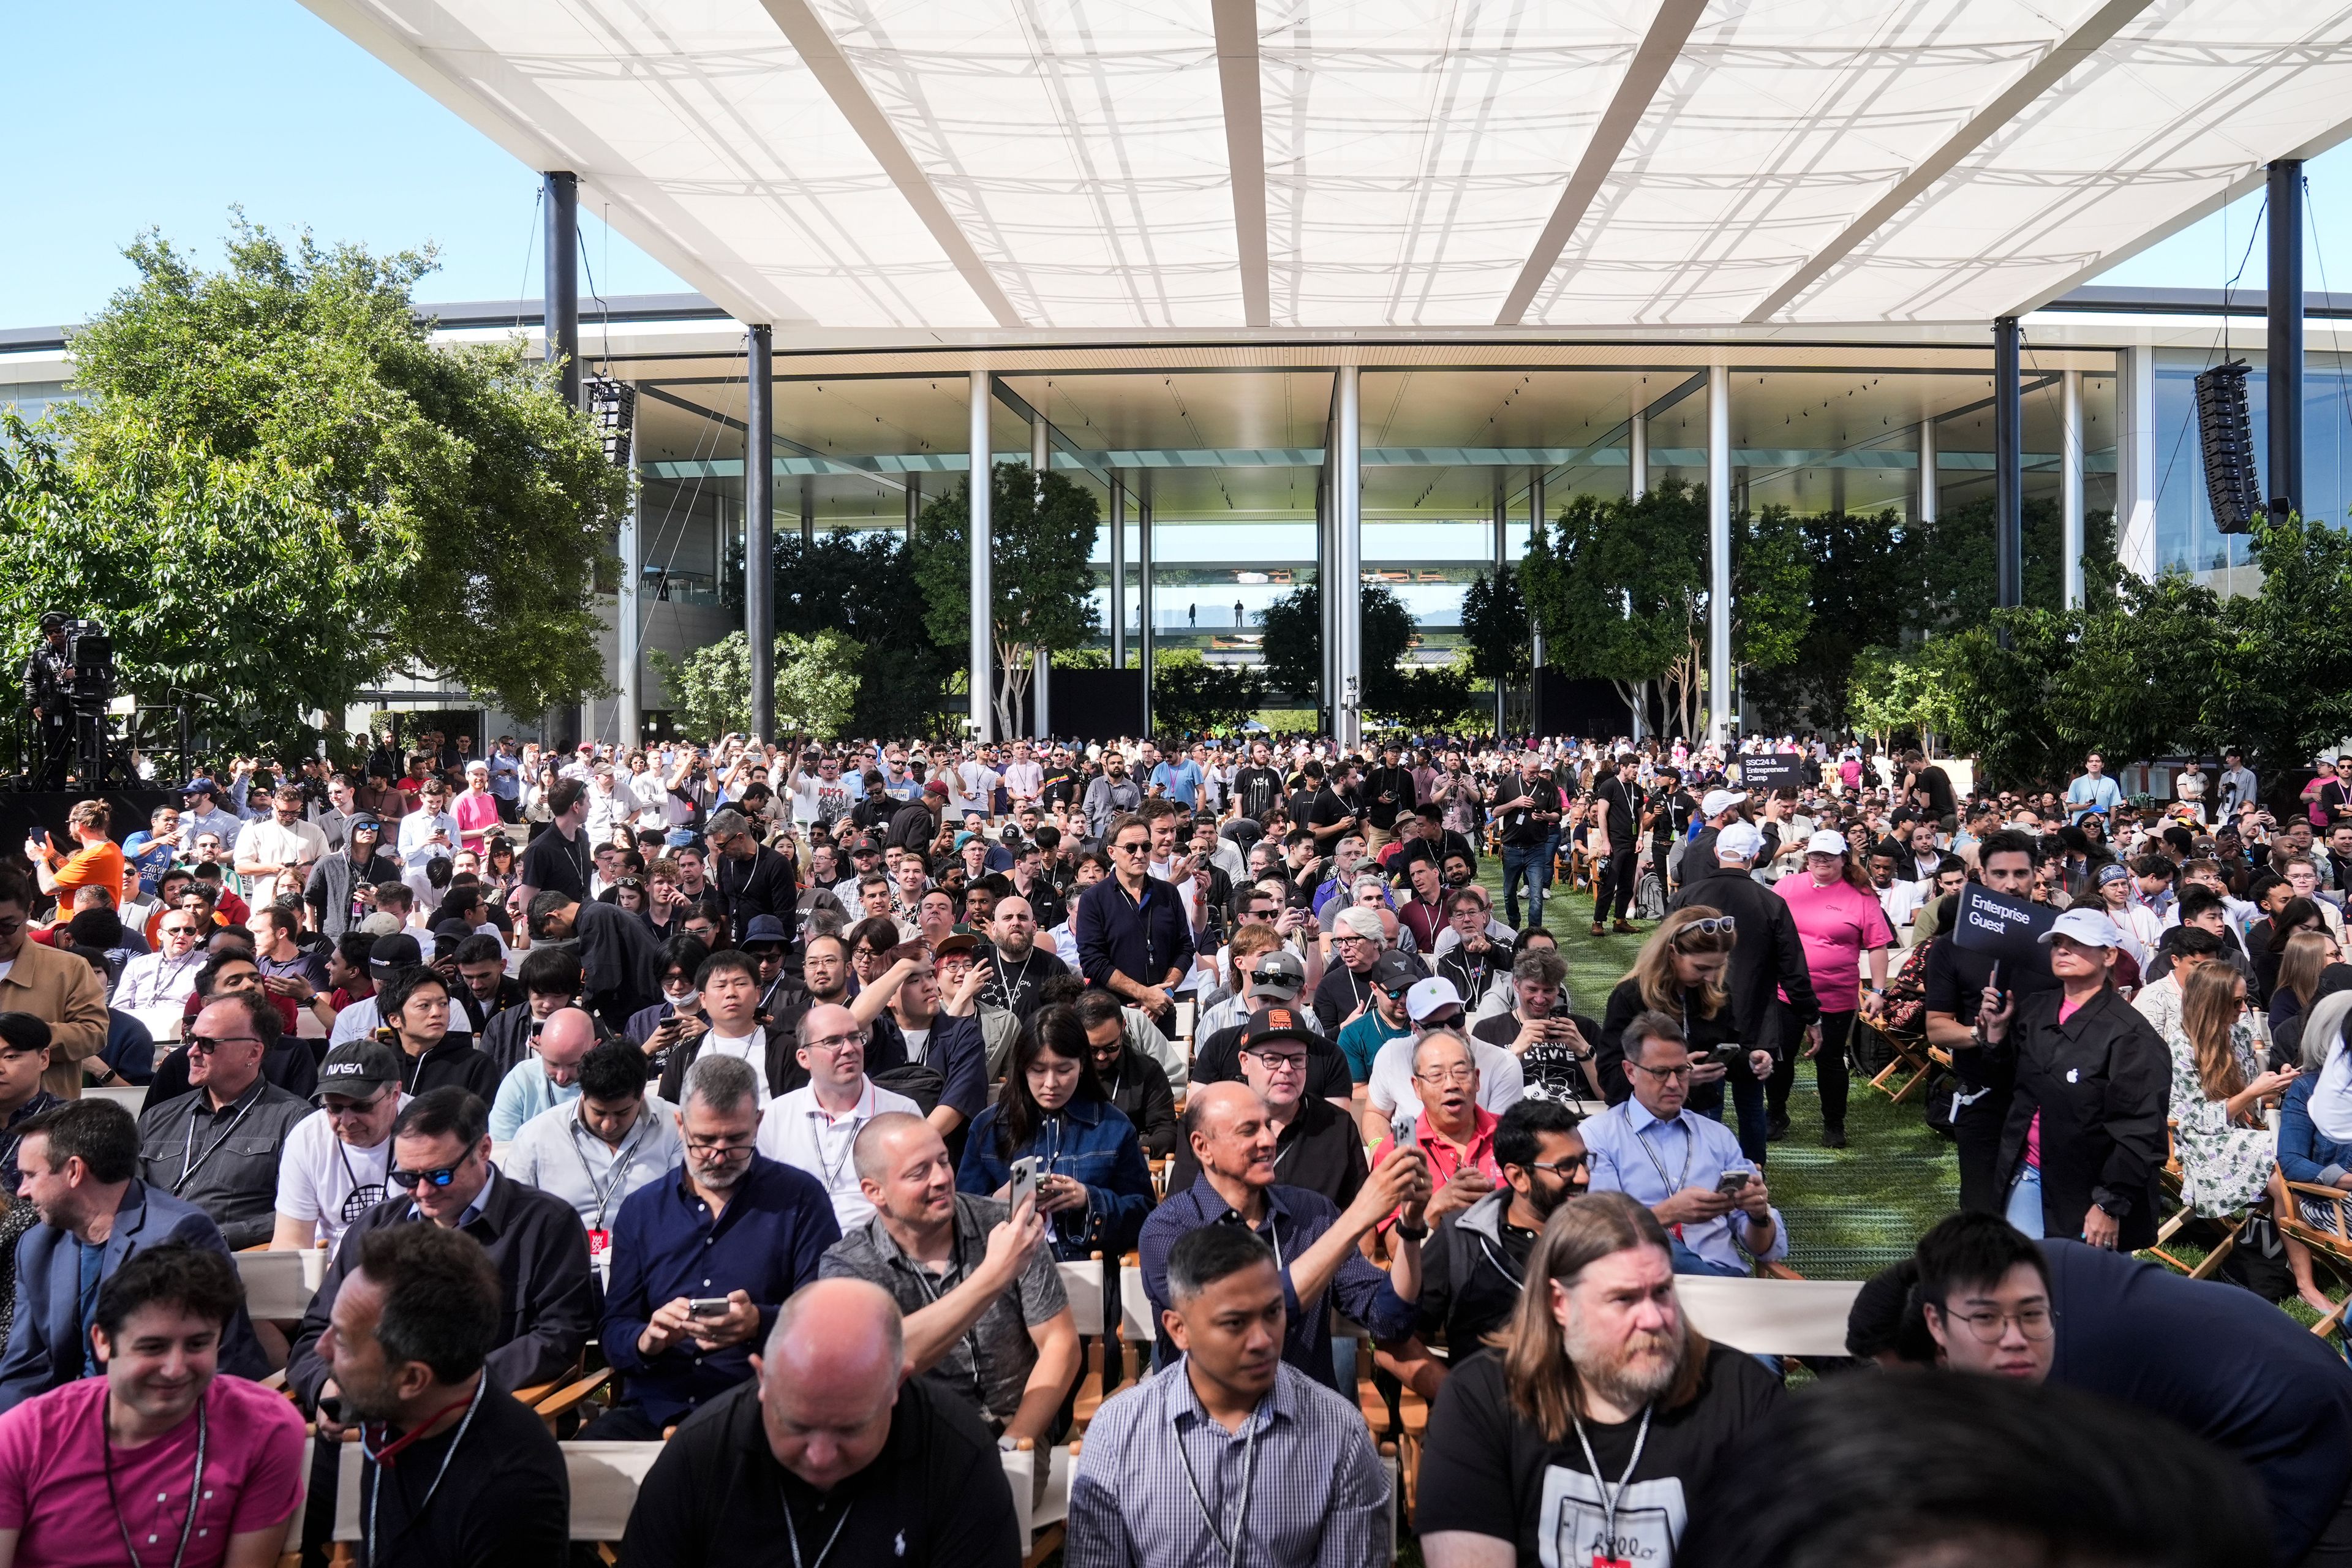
x,y
2226,433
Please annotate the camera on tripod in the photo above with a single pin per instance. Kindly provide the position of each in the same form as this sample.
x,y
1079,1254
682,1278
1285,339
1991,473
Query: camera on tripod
x,y
91,652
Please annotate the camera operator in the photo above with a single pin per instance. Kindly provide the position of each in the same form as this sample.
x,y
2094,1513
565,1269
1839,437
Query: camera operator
x,y
48,691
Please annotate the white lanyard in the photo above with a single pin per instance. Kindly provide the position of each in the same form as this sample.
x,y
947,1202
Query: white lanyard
x,y
621,1162
190,1160
792,1534
1233,1548
1610,1496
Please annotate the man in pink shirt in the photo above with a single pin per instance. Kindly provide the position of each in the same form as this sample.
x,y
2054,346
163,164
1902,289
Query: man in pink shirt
x,y
161,1459
1839,920
1454,1131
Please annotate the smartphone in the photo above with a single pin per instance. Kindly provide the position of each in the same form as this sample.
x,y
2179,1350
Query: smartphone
x,y
1727,1056
1402,1129
707,1306
1731,1184
1025,1180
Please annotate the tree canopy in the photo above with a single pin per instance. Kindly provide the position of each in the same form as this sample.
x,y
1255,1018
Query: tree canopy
x,y
1042,532
1189,693
1293,644
280,488
1494,627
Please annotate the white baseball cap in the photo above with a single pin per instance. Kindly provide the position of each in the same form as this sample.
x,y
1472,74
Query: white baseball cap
x,y
1434,994
2086,926
1739,841
1716,802
1826,842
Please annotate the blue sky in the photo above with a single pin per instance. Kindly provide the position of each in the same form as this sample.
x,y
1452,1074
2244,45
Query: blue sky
x,y
128,114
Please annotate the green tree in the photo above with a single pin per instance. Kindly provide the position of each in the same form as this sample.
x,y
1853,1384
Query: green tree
x,y
1434,697
1040,538
816,683
1494,627
710,689
1894,692
2280,683
1292,646
447,505
1191,694
864,586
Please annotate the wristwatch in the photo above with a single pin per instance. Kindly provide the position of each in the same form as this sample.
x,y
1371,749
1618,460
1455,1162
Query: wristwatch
x,y
1412,1232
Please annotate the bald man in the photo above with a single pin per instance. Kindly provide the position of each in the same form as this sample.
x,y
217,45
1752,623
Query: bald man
x,y
548,1077
829,1449
814,1128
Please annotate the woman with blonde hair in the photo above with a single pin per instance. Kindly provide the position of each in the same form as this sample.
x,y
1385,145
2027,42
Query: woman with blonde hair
x,y
1680,974
2227,1152
2306,955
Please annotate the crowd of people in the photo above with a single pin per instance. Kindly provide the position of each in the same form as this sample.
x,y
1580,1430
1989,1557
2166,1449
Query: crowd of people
x,y
777,1083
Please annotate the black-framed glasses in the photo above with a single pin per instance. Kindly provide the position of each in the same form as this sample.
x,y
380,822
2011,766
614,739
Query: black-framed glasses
x,y
1131,848
2032,1320
1566,1166
1682,1071
439,1177
204,1045
724,1148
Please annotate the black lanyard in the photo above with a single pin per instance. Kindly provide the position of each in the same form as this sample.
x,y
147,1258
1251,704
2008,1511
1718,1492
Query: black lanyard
x,y
190,1160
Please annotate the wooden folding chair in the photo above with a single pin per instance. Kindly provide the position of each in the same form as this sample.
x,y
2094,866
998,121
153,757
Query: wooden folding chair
x,y
2182,1216
2333,1242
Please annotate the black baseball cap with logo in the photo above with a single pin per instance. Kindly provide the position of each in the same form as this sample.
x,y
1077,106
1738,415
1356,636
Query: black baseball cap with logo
x,y
1277,1023
359,1069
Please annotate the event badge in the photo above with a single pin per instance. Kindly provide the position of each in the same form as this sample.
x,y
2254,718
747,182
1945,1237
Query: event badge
x,y
600,1252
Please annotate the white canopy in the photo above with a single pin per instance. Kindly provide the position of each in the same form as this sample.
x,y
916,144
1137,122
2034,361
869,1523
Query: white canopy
x,y
1088,166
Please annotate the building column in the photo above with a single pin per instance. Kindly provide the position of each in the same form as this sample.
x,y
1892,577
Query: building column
x,y
808,512
1929,479
1722,723
2070,483
561,308
913,483
1327,597
981,661
1348,556
1502,516
1637,456
2136,461
760,527
628,627
1536,519
1144,639
2008,469
1043,674
2283,361
1118,571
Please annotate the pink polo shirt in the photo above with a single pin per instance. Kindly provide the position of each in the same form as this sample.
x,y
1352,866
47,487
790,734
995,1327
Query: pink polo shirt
x,y
1837,923
53,1477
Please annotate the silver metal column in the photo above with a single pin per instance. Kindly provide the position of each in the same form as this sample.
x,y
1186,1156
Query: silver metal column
x,y
1722,723
1118,571
1536,519
1637,483
913,483
2136,461
1327,597
628,624
760,527
1143,591
1502,554
561,323
1043,674
2070,483
981,661
1347,555
1929,477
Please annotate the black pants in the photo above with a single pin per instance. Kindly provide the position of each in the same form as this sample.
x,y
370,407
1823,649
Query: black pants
x,y
1975,1132
1829,1067
1614,877
53,733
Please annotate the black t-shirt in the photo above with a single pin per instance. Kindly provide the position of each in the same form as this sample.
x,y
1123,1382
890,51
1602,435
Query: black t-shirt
x,y
1220,1061
1331,807
1394,783
1058,787
1487,1470
1017,985
1622,813
1938,785
504,1497
554,864
1258,790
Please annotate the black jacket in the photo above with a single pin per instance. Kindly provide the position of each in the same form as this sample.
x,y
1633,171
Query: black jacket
x,y
1769,956
1609,1045
454,1060
1139,1088
328,890
2102,1083
540,1252
763,885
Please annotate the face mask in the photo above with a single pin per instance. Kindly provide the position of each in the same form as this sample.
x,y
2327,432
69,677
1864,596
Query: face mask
x,y
683,998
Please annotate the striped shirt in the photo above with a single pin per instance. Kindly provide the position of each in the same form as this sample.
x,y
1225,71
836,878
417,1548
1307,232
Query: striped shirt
x,y
1316,1495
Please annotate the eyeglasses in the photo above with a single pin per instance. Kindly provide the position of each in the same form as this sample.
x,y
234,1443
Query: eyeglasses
x,y
1989,1326
1565,1166
1682,1071
409,1181
204,1045
724,1148
180,929
831,1043
352,1107
1130,848
1463,1074
1281,1061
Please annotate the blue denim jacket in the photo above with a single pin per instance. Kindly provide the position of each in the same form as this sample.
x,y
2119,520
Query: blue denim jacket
x,y
2305,1153
1091,1140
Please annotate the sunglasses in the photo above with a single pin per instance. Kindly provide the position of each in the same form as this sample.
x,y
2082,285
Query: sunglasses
x,y
409,1181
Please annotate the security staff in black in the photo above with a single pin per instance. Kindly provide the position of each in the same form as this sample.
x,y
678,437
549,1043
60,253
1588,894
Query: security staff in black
x,y
48,692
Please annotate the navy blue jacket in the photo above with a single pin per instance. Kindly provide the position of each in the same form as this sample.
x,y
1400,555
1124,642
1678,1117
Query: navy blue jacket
x,y
1142,939
1091,1140
46,1343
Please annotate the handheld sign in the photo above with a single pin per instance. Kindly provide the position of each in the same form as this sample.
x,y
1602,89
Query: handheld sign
x,y
2008,929
1772,770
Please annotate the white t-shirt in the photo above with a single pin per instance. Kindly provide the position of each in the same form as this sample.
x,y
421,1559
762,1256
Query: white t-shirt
x,y
752,1048
800,1132
318,1175
1394,1093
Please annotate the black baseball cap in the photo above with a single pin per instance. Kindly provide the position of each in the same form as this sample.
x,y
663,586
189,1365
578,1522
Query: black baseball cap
x,y
358,1069
1277,1023
394,950
1393,970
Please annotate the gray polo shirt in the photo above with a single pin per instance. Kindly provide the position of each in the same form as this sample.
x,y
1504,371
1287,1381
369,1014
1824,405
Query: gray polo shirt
x,y
225,1162
990,1365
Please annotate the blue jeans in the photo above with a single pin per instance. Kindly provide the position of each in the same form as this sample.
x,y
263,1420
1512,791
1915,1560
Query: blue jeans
x,y
1533,862
1747,1101
2024,1209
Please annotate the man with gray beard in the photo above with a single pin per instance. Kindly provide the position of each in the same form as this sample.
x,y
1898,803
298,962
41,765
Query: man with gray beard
x,y
1586,1436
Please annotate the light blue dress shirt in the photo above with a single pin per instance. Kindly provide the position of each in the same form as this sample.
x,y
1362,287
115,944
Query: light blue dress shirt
x,y
523,1093
1632,1151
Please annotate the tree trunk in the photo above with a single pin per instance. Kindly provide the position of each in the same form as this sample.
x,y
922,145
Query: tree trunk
x,y
1014,667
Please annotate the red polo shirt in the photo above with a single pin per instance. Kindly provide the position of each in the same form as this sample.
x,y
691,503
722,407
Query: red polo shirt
x,y
1443,1158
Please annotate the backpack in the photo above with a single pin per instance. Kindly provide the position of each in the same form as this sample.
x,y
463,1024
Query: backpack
x,y
919,1082
1650,897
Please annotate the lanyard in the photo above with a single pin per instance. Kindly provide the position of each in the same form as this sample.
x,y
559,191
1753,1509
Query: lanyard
x,y
792,1534
619,1172
1233,1548
1610,1496
381,1457
1690,1146
190,1160
932,1290
195,1487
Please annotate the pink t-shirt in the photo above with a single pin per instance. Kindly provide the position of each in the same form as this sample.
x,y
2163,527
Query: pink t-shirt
x,y
475,814
1837,924
2066,1007
53,1477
